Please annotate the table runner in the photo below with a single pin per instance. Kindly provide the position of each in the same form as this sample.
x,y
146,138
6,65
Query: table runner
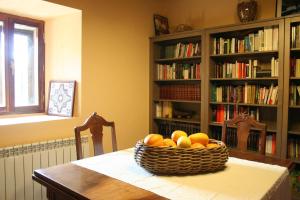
x,y
241,179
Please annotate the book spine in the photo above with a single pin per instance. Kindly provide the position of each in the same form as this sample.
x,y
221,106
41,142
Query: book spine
x,y
158,109
275,39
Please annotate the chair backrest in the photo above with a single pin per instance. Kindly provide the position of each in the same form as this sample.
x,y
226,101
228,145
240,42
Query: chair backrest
x,y
244,123
95,124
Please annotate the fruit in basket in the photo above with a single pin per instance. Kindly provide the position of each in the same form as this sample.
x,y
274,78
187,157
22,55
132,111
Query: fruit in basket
x,y
168,143
153,139
212,145
198,145
184,142
176,134
201,138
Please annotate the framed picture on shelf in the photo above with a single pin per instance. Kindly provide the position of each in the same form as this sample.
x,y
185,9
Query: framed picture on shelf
x,y
287,7
161,25
61,98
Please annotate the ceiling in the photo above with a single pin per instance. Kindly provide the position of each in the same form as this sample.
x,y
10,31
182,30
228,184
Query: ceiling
x,y
35,8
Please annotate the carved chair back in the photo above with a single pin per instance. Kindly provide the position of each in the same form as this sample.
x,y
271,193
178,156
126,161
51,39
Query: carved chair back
x,y
95,124
244,123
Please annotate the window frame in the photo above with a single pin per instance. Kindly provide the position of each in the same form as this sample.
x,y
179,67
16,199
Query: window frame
x,y
8,24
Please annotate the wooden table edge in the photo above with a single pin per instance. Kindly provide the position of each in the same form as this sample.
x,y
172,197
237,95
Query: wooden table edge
x,y
56,187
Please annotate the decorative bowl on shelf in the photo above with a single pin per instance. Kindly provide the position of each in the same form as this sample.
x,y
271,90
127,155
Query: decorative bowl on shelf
x,y
247,10
181,161
182,27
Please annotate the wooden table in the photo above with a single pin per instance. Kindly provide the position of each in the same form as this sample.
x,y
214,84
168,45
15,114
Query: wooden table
x,y
70,181
75,181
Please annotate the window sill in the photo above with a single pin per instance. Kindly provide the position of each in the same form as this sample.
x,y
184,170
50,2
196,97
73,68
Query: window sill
x,y
30,119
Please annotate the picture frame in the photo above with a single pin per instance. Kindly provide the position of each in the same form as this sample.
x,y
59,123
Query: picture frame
x,y
161,24
287,7
61,98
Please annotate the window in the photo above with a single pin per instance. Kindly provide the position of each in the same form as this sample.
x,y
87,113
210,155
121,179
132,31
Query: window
x,y
22,58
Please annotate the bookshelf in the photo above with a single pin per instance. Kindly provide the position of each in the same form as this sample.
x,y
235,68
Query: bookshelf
x,y
261,69
176,67
245,70
196,98
291,101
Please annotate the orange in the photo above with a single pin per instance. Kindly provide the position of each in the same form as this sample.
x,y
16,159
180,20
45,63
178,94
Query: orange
x,y
168,143
212,145
153,139
198,145
176,134
201,138
184,142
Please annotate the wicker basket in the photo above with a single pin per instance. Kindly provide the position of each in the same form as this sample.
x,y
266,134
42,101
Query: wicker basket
x,y
181,161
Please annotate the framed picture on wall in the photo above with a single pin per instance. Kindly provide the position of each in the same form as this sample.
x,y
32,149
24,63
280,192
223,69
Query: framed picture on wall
x,y
161,25
61,98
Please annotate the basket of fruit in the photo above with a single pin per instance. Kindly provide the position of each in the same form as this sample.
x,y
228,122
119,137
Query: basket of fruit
x,y
181,155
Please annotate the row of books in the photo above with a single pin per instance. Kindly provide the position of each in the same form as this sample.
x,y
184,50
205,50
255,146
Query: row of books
x,y
231,139
220,113
183,50
295,36
252,94
166,128
178,71
293,148
216,132
265,39
294,94
248,69
164,109
295,67
180,92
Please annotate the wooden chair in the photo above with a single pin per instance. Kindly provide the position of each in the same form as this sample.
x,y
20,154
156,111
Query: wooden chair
x,y
95,123
244,123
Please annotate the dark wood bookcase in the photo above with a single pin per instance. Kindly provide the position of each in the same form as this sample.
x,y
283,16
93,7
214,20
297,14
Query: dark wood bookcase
x,y
282,117
248,63
291,100
198,114
176,68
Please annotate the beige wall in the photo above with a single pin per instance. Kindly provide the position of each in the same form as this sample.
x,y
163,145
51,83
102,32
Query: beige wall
x,y
115,60
210,13
63,52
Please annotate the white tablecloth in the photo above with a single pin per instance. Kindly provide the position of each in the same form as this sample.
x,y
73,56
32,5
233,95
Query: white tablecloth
x,y
241,179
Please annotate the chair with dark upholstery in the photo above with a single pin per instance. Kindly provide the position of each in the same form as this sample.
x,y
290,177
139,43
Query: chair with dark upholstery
x,y
95,125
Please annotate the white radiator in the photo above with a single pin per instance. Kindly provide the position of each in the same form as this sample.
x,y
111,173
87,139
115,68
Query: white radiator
x,y
18,162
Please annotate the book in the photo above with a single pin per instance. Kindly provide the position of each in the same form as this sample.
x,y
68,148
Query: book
x,y
268,39
158,109
275,39
268,144
261,40
167,109
293,38
270,94
215,46
298,89
273,98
